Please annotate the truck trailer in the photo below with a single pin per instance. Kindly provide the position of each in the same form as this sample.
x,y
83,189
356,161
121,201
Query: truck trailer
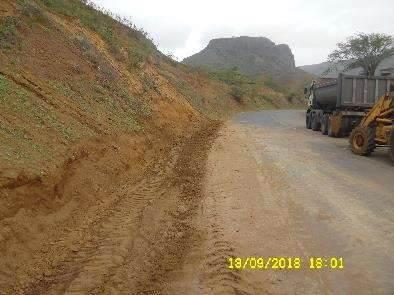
x,y
336,106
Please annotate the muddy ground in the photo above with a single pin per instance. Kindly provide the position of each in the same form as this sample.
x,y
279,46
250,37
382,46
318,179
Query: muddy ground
x,y
258,186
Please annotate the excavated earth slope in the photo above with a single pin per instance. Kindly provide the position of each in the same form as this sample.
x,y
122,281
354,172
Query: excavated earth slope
x,y
101,135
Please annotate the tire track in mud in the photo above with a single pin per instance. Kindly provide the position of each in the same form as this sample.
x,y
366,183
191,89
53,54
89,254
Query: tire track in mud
x,y
176,229
205,268
229,178
217,277
107,243
145,235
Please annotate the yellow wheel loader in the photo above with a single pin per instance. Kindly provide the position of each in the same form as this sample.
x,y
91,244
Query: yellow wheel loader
x,y
375,129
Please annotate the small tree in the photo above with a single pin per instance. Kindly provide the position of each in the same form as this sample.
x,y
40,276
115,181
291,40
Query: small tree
x,y
237,92
362,50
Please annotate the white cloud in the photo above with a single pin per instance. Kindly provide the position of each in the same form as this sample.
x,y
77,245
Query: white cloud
x,y
311,28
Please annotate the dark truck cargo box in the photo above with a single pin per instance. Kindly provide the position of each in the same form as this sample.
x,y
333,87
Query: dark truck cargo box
x,y
336,106
349,92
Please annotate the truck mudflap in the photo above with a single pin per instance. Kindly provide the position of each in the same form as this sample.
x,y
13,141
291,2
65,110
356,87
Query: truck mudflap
x,y
342,123
335,125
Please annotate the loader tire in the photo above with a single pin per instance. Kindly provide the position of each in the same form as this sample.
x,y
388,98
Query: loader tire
x,y
315,123
362,140
308,121
324,124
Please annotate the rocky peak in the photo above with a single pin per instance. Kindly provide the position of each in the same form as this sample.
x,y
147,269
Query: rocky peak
x,y
252,56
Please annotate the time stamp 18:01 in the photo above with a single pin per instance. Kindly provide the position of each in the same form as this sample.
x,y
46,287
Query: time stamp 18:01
x,y
285,263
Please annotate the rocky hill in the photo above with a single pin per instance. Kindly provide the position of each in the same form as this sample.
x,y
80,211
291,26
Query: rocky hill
x,y
251,55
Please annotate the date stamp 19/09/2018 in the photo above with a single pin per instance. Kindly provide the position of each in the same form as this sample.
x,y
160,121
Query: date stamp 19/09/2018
x,y
285,263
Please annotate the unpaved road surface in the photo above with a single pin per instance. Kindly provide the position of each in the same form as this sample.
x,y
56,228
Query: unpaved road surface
x,y
258,186
275,189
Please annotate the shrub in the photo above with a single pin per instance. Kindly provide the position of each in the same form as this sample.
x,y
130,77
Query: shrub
x,y
32,11
82,42
237,93
271,83
135,58
3,85
61,88
229,76
291,96
87,48
109,74
170,58
107,33
103,22
141,107
8,27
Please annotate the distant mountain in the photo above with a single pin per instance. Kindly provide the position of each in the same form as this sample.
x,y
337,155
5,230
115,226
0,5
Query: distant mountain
x,y
318,69
251,55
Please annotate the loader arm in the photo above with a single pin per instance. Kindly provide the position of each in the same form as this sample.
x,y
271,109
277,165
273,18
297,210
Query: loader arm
x,y
381,112
376,128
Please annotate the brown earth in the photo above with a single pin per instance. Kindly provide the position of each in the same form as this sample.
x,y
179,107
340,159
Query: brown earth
x,y
130,239
273,188
102,148
227,190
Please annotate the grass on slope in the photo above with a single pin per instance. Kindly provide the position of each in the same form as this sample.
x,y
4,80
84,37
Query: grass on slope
x,y
243,87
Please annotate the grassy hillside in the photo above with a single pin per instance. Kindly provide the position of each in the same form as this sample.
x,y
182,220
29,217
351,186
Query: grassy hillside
x,y
262,91
70,72
88,104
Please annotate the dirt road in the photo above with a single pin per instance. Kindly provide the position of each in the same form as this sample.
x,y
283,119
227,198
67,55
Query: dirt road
x,y
275,189
259,186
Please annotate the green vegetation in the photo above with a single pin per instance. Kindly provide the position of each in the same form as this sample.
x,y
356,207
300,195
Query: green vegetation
x,y
125,41
230,76
138,106
238,93
115,104
271,83
17,100
135,58
3,85
362,50
88,16
87,48
61,88
241,85
32,11
8,27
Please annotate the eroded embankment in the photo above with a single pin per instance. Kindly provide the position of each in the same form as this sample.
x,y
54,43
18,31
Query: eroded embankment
x,y
125,230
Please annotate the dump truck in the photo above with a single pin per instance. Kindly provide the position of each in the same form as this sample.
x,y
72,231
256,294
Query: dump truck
x,y
375,129
337,106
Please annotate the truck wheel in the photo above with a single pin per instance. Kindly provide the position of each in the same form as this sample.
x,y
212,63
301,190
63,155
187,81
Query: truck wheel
x,y
308,121
324,125
391,147
315,123
362,140
346,126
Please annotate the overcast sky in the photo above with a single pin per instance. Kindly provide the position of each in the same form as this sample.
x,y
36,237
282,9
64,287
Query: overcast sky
x,y
310,28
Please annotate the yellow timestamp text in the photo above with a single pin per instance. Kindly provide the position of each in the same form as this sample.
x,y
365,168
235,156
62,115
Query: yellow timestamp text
x,y
285,263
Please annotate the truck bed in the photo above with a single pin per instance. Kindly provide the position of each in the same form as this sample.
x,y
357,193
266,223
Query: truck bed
x,y
352,92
